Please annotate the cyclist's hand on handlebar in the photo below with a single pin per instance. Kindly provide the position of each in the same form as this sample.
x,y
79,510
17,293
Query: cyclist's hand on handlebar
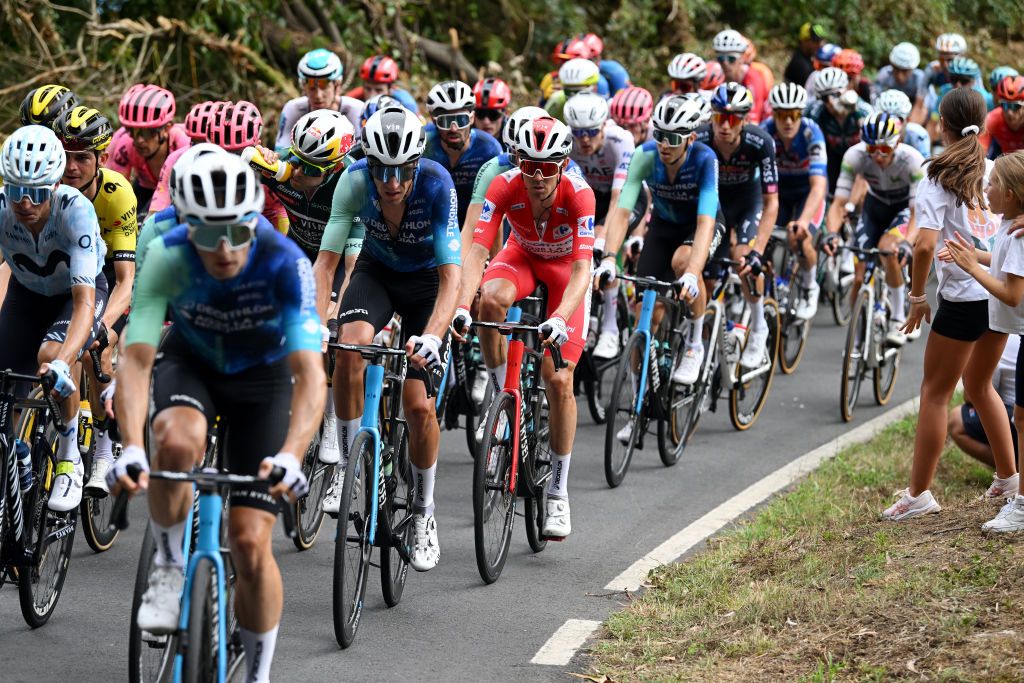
x,y
293,484
633,246
904,252
107,397
424,351
752,263
690,288
830,244
605,273
553,331
461,322
64,385
117,476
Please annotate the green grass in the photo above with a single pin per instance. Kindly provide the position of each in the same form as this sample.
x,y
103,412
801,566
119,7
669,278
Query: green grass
x,y
815,587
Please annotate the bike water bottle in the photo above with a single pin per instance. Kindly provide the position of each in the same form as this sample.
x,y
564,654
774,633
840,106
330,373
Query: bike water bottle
x,y
24,464
278,169
85,434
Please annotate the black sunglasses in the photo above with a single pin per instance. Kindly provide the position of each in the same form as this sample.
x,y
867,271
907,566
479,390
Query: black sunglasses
x,y
489,114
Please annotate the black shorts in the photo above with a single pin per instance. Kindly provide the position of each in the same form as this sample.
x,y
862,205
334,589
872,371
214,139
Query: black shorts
x,y
742,217
974,429
1018,374
376,292
28,319
253,405
602,201
961,320
663,238
790,209
878,218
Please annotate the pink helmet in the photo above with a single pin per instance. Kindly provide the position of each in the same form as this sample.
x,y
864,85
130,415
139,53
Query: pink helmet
x,y
197,121
543,139
632,105
236,127
146,106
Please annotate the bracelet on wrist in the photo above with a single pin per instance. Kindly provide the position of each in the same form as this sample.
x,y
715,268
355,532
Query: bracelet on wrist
x,y
923,299
611,256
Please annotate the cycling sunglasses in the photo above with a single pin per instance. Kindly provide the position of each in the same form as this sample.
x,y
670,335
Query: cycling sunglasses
x,y
547,169
384,173
960,80
308,169
489,114
684,86
142,133
446,121
1011,106
885,150
36,195
727,59
669,138
724,117
209,237
790,115
317,83
585,132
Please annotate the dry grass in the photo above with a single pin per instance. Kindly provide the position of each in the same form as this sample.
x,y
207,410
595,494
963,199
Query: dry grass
x,y
815,587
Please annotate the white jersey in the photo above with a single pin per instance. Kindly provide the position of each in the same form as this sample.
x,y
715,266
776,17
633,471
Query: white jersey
x,y
606,170
893,184
295,109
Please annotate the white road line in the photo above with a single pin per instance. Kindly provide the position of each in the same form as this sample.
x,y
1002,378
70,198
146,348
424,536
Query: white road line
x,y
713,521
564,642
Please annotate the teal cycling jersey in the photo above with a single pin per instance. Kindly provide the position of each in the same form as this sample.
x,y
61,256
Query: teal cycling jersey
x,y
693,192
256,318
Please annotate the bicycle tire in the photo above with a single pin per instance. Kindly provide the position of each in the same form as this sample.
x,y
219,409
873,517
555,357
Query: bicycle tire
x,y
622,411
352,547
884,377
842,306
744,417
794,339
398,515
95,513
199,662
684,403
591,388
309,510
702,388
536,513
150,657
536,502
494,493
849,390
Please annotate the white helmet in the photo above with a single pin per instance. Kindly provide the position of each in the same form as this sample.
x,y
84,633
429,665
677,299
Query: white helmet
x,y
951,43
579,73
830,80
687,66
516,120
904,56
319,63
322,137
586,110
894,102
218,189
678,114
788,96
544,139
729,41
182,164
32,156
705,106
449,96
393,136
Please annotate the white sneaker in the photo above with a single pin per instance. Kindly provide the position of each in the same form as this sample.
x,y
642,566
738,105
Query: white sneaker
x,y
807,307
755,350
332,499
689,367
480,382
556,521
329,453
625,434
1007,508
426,552
161,603
96,487
1001,489
1010,519
894,336
607,345
915,335
66,492
908,507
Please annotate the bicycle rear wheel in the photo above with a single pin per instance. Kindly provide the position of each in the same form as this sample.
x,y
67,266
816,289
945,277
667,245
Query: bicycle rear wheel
x,y
494,492
747,400
150,657
885,375
202,637
622,413
687,403
352,547
95,514
536,500
854,357
794,330
842,308
309,510
398,516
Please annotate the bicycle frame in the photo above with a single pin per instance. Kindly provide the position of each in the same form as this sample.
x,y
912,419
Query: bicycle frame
x,y
870,284
649,299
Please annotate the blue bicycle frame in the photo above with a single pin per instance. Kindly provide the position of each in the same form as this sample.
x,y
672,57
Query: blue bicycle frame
x,y
374,386
643,326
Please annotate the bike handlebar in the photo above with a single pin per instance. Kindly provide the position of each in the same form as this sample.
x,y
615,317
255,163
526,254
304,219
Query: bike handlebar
x,y
518,329
94,355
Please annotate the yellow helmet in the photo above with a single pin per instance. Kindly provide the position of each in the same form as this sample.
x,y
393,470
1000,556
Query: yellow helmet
x,y
44,104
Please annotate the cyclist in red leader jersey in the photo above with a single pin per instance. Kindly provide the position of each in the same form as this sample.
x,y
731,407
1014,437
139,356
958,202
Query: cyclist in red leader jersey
x,y
552,242
1004,125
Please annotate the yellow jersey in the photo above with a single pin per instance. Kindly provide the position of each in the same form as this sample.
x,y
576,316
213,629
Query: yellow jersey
x,y
116,210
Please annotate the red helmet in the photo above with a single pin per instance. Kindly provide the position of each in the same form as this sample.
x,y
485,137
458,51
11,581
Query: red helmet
x,y
236,126
1011,89
197,121
594,42
714,78
570,48
849,61
631,105
379,69
146,106
492,93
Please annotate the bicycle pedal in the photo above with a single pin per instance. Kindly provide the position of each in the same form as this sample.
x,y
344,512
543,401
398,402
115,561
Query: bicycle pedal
x,y
332,515
556,539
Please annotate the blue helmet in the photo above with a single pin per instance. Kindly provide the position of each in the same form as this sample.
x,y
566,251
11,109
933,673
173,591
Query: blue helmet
x,y
826,52
320,63
732,97
964,67
374,104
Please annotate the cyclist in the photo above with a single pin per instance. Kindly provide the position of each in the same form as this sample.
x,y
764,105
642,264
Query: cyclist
x,y
570,48
892,171
896,102
57,294
902,74
491,99
811,37
748,172
714,78
964,72
995,76
409,265
552,242
612,72
44,104
839,113
603,151
575,76
851,62
729,46
751,60
453,142
822,60
378,74
320,73
85,133
631,109
683,178
147,136
245,347
948,46
687,72
1004,126
803,182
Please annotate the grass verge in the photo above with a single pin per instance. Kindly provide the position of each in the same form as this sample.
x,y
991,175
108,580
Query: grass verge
x,y
816,588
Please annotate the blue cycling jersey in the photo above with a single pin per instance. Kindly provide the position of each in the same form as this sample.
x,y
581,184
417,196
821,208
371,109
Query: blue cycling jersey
x,y
407,100
481,148
257,317
693,192
428,235
915,135
615,74
805,157
946,87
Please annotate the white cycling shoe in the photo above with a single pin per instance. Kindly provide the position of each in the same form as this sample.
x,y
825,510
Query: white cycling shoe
x,y
161,603
755,350
96,487
895,336
807,307
607,345
689,367
332,499
557,524
426,552
480,382
625,434
66,492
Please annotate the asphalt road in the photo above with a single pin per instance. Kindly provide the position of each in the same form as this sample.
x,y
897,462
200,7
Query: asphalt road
x,y
449,626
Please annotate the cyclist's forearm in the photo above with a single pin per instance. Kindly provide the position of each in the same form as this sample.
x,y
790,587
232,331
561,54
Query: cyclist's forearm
x,y
131,400
814,199
835,212
444,305
769,212
701,245
308,398
323,274
575,290
912,230
616,224
121,296
82,316
472,272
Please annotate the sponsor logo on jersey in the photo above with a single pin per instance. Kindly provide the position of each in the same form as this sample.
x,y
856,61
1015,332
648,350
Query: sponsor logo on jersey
x,y
487,212
561,231
24,262
518,206
585,226
454,245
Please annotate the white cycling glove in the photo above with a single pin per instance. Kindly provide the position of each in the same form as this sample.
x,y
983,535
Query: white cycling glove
x,y
634,244
553,330
131,455
689,284
427,346
607,267
64,386
461,321
293,478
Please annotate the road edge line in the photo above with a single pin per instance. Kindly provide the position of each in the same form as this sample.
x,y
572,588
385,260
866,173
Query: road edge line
x,y
563,643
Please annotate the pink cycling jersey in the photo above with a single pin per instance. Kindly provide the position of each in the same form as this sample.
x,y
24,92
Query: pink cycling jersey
x,y
122,157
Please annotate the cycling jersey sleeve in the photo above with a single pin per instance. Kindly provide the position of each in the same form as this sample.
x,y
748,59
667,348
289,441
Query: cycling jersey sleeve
x,y
848,171
117,157
348,200
769,169
582,207
487,173
707,200
151,295
640,166
493,212
616,74
445,221
916,175
274,211
623,154
296,292
816,151
86,253
162,194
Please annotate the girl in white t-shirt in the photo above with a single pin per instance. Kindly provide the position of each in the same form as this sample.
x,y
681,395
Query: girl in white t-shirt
x,y
950,201
1004,279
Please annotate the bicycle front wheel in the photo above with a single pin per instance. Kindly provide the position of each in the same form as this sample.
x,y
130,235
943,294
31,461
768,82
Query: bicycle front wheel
x,y
352,543
202,635
885,374
494,492
854,357
748,398
621,430
150,657
398,517
309,510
